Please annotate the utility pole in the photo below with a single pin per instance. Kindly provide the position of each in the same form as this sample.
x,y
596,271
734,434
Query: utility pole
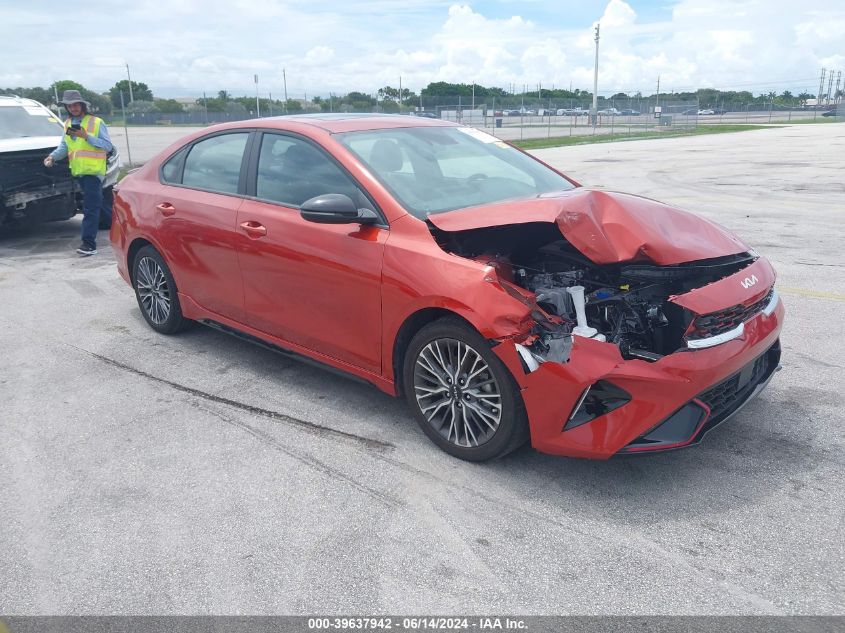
x,y
400,94
125,129
473,96
285,80
205,106
131,99
657,97
819,97
836,94
595,108
257,106
829,87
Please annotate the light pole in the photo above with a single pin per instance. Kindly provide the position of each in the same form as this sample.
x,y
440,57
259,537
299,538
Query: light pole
x,y
285,80
131,99
595,108
257,105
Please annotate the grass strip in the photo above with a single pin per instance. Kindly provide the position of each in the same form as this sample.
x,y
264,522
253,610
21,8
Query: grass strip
x,y
561,141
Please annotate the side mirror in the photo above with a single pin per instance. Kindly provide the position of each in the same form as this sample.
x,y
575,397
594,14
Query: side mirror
x,y
336,208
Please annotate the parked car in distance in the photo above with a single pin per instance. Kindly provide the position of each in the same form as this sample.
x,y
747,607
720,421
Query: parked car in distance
x,y
29,191
629,112
831,113
425,114
572,112
609,112
706,112
502,300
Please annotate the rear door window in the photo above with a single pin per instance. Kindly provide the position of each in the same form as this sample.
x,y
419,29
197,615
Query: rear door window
x,y
214,164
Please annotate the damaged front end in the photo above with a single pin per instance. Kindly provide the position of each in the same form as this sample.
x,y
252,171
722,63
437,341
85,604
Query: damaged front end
x,y
31,191
608,356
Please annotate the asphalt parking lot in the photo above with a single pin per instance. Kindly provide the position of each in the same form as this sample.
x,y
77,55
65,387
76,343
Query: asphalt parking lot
x,y
196,474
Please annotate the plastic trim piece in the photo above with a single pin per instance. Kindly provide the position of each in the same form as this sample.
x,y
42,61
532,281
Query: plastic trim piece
x,y
773,303
724,337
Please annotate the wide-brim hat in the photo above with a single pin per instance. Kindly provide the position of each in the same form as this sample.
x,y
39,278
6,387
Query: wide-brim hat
x,y
73,96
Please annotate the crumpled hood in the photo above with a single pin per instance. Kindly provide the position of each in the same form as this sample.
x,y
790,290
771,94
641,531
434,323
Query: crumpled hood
x,y
608,227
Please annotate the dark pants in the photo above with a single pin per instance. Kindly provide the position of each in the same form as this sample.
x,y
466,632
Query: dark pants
x,y
96,211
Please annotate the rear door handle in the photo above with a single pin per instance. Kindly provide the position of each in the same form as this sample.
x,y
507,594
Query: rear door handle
x,y
254,229
166,209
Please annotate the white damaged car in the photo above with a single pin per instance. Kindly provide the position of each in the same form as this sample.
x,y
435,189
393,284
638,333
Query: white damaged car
x,y
29,191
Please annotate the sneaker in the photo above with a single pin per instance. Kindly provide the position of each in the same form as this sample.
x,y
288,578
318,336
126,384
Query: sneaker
x,y
86,250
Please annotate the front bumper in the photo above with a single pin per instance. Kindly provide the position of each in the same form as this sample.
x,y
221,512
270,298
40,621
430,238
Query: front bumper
x,y
690,423
658,390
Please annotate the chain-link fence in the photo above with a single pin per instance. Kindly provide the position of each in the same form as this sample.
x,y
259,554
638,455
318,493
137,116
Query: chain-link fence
x,y
513,117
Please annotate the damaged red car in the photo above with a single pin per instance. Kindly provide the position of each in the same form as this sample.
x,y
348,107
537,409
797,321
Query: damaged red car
x,y
503,300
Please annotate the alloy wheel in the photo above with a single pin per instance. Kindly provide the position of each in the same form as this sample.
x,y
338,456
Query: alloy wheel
x,y
457,392
153,290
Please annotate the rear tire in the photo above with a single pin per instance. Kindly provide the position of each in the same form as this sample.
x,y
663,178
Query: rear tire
x,y
462,396
156,292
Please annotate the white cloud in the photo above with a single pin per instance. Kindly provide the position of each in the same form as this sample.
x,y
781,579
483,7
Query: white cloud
x,y
196,45
319,56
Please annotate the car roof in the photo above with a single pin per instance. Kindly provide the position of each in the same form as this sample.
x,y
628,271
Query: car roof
x,y
335,123
14,100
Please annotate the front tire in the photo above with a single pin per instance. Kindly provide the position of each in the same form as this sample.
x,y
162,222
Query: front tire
x,y
462,395
156,292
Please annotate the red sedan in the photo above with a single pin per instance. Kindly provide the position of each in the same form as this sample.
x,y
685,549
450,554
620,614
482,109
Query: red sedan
x,y
504,301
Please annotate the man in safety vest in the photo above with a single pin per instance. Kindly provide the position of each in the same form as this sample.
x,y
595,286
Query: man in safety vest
x,y
86,143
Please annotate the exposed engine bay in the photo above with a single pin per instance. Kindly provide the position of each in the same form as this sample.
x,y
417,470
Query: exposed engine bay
x,y
626,304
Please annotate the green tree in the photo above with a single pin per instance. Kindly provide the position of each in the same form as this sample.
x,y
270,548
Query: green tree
x,y
99,104
294,106
142,107
388,94
212,104
237,110
140,92
42,95
170,106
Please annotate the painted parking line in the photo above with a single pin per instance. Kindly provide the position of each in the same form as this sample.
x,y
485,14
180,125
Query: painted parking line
x,y
818,294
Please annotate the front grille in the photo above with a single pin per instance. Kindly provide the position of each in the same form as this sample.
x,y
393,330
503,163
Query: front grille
x,y
732,392
723,400
715,323
22,171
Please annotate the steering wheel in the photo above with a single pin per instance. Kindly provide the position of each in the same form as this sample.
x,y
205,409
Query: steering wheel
x,y
476,178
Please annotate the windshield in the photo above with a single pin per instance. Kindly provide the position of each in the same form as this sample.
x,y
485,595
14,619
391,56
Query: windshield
x,y
27,120
437,169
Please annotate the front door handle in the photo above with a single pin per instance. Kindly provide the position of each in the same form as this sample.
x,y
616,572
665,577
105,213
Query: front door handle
x,y
166,209
254,229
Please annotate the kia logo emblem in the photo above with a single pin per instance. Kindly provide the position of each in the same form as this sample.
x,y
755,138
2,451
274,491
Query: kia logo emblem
x,y
749,281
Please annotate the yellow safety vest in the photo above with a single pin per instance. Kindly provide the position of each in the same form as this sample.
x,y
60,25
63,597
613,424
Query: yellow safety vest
x,y
85,159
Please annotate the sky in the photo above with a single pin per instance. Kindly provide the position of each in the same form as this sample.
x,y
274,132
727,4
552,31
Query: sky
x,y
187,47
